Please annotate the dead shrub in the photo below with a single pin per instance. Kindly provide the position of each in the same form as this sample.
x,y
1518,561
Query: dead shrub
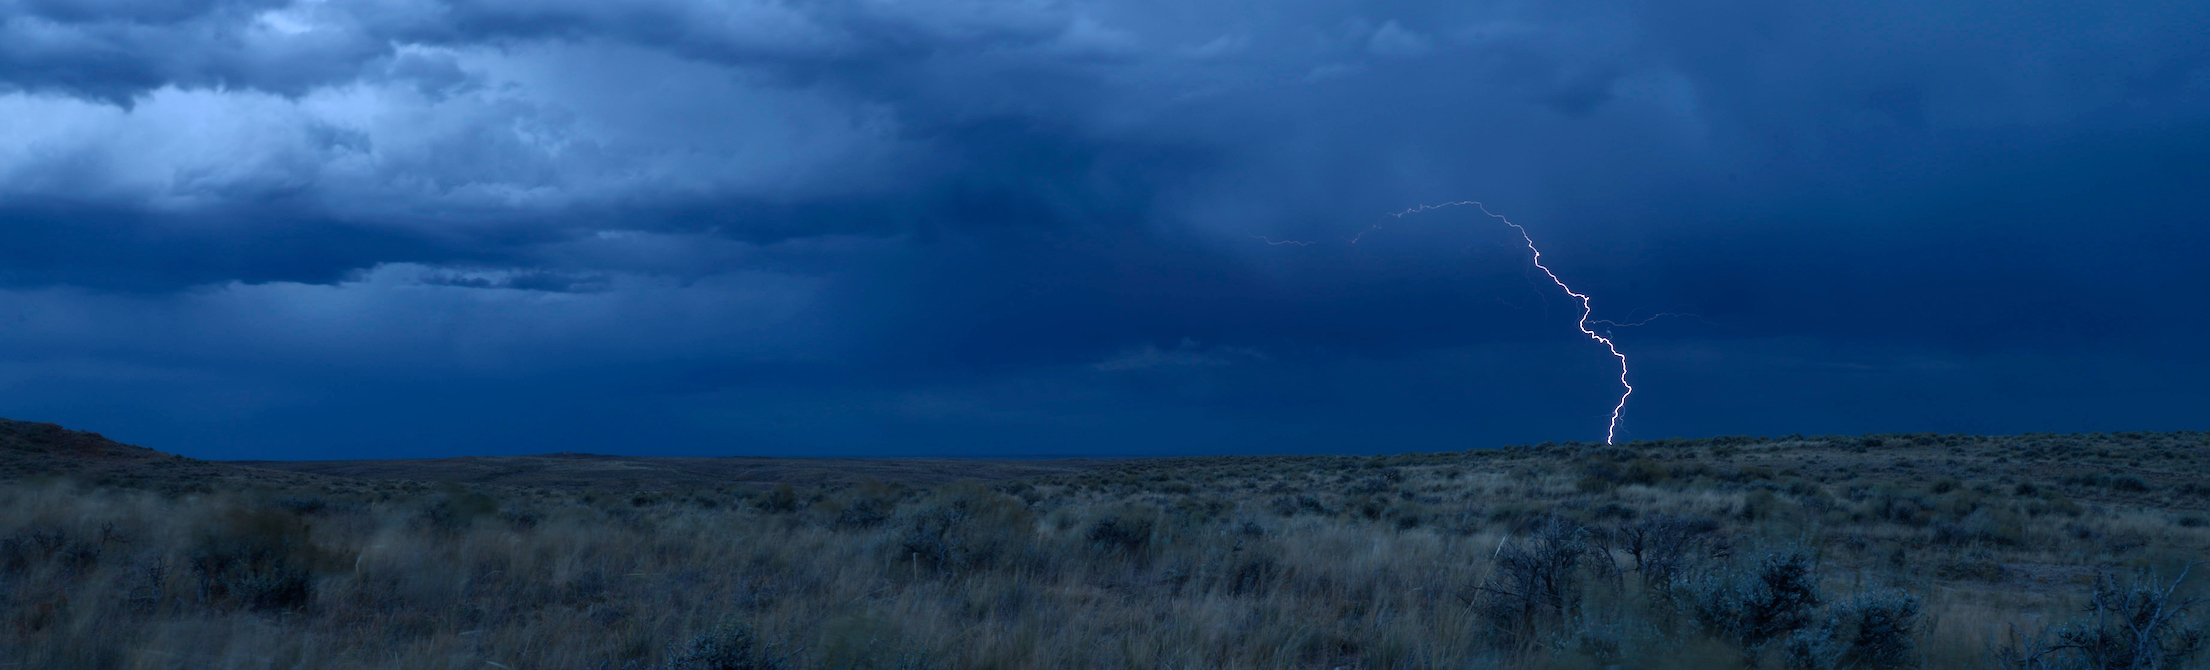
x,y
1537,584
2140,624
1663,546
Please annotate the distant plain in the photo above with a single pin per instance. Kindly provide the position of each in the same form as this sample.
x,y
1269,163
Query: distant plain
x,y
2027,551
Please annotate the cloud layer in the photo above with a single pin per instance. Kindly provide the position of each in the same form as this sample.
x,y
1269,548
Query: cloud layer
x,y
325,228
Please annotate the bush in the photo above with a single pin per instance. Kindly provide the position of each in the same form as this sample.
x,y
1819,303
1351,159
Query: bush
x,y
1253,574
457,509
1373,485
300,505
1870,631
1644,471
1752,605
521,519
2135,625
1122,531
967,527
732,647
1662,546
22,548
1593,484
259,559
864,513
781,500
1537,583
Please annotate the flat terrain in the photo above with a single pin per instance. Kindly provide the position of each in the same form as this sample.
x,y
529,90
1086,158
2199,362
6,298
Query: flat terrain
x,y
635,472
1823,552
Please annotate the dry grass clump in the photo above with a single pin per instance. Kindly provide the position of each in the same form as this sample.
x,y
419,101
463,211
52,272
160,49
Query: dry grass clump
x,y
1813,553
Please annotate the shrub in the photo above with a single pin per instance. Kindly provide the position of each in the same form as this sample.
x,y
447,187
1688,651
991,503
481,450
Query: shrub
x,y
1371,486
20,549
258,559
1122,531
2095,480
1612,511
1759,504
1903,509
521,519
732,647
1644,471
457,509
1661,546
1752,605
301,505
2138,625
1593,484
1253,574
781,500
967,527
1537,583
2052,502
1988,525
1313,505
864,513
871,643
1408,516
1870,631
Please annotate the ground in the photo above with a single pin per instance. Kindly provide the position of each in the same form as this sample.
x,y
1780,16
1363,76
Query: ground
x,y
1822,551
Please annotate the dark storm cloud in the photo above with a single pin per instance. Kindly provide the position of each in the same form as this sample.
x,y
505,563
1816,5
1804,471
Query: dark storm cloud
x,y
1041,227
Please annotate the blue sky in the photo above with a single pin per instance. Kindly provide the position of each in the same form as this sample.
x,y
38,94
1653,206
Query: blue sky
x,y
381,228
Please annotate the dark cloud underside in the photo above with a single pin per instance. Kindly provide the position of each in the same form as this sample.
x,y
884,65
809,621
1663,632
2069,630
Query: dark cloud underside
x,y
408,227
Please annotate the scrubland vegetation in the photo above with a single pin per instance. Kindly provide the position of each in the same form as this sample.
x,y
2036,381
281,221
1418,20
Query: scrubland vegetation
x,y
2040,551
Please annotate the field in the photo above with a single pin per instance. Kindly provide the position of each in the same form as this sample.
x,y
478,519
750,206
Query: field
x,y
1941,551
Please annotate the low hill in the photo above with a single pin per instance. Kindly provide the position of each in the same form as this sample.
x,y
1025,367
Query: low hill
x,y
29,439
29,449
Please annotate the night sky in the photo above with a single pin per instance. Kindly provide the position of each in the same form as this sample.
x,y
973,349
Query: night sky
x,y
326,229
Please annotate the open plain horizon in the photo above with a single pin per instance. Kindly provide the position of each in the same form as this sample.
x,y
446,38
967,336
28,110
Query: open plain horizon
x,y
1875,551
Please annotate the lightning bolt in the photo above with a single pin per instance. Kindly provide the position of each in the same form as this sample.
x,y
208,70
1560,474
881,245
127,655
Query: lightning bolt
x,y
1643,322
1611,431
1263,238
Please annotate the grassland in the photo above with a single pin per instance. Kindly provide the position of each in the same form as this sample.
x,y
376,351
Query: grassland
x,y
1941,551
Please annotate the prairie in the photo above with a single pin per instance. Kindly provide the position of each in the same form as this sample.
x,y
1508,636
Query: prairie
x,y
1943,551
